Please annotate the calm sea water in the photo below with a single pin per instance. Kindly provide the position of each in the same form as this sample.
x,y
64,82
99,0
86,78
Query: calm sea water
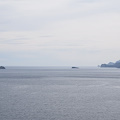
x,y
59,93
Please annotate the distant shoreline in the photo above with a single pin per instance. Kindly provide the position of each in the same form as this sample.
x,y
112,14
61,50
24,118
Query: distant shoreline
x,y
112,64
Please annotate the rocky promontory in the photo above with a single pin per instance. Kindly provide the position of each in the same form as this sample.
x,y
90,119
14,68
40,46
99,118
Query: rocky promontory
x,y
112,64
2,67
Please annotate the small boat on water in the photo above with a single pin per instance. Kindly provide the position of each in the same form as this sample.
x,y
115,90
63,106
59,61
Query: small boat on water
x,y
2,67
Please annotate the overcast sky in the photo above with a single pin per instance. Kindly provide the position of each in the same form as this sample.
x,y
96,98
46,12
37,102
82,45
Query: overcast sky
x,y
59,32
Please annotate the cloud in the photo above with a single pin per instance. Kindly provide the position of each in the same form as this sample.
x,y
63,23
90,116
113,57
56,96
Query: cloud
x,y
59,30
35,15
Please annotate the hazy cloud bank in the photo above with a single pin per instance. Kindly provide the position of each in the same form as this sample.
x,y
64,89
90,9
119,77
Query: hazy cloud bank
x,y
61,30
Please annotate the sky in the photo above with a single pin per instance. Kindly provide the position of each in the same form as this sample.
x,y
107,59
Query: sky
x,y
59,32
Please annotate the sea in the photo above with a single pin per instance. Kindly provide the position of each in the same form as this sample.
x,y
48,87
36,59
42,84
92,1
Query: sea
x,y
59,93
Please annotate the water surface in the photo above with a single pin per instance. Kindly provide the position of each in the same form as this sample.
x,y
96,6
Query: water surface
x,y
59,93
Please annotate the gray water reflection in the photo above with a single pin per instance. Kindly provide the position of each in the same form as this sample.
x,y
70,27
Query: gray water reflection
x,y
60,94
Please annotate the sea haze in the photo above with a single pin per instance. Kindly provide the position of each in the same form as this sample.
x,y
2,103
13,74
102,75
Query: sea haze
x,y
59,93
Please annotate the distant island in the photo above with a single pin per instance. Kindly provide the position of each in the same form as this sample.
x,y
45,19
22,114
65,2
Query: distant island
x,y
75,67
112,64
2,67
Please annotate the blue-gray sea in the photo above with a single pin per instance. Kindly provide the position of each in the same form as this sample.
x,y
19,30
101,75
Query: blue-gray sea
x,y
59,93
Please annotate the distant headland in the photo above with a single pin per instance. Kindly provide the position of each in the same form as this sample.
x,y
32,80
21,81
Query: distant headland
x,y
2,67
112,64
